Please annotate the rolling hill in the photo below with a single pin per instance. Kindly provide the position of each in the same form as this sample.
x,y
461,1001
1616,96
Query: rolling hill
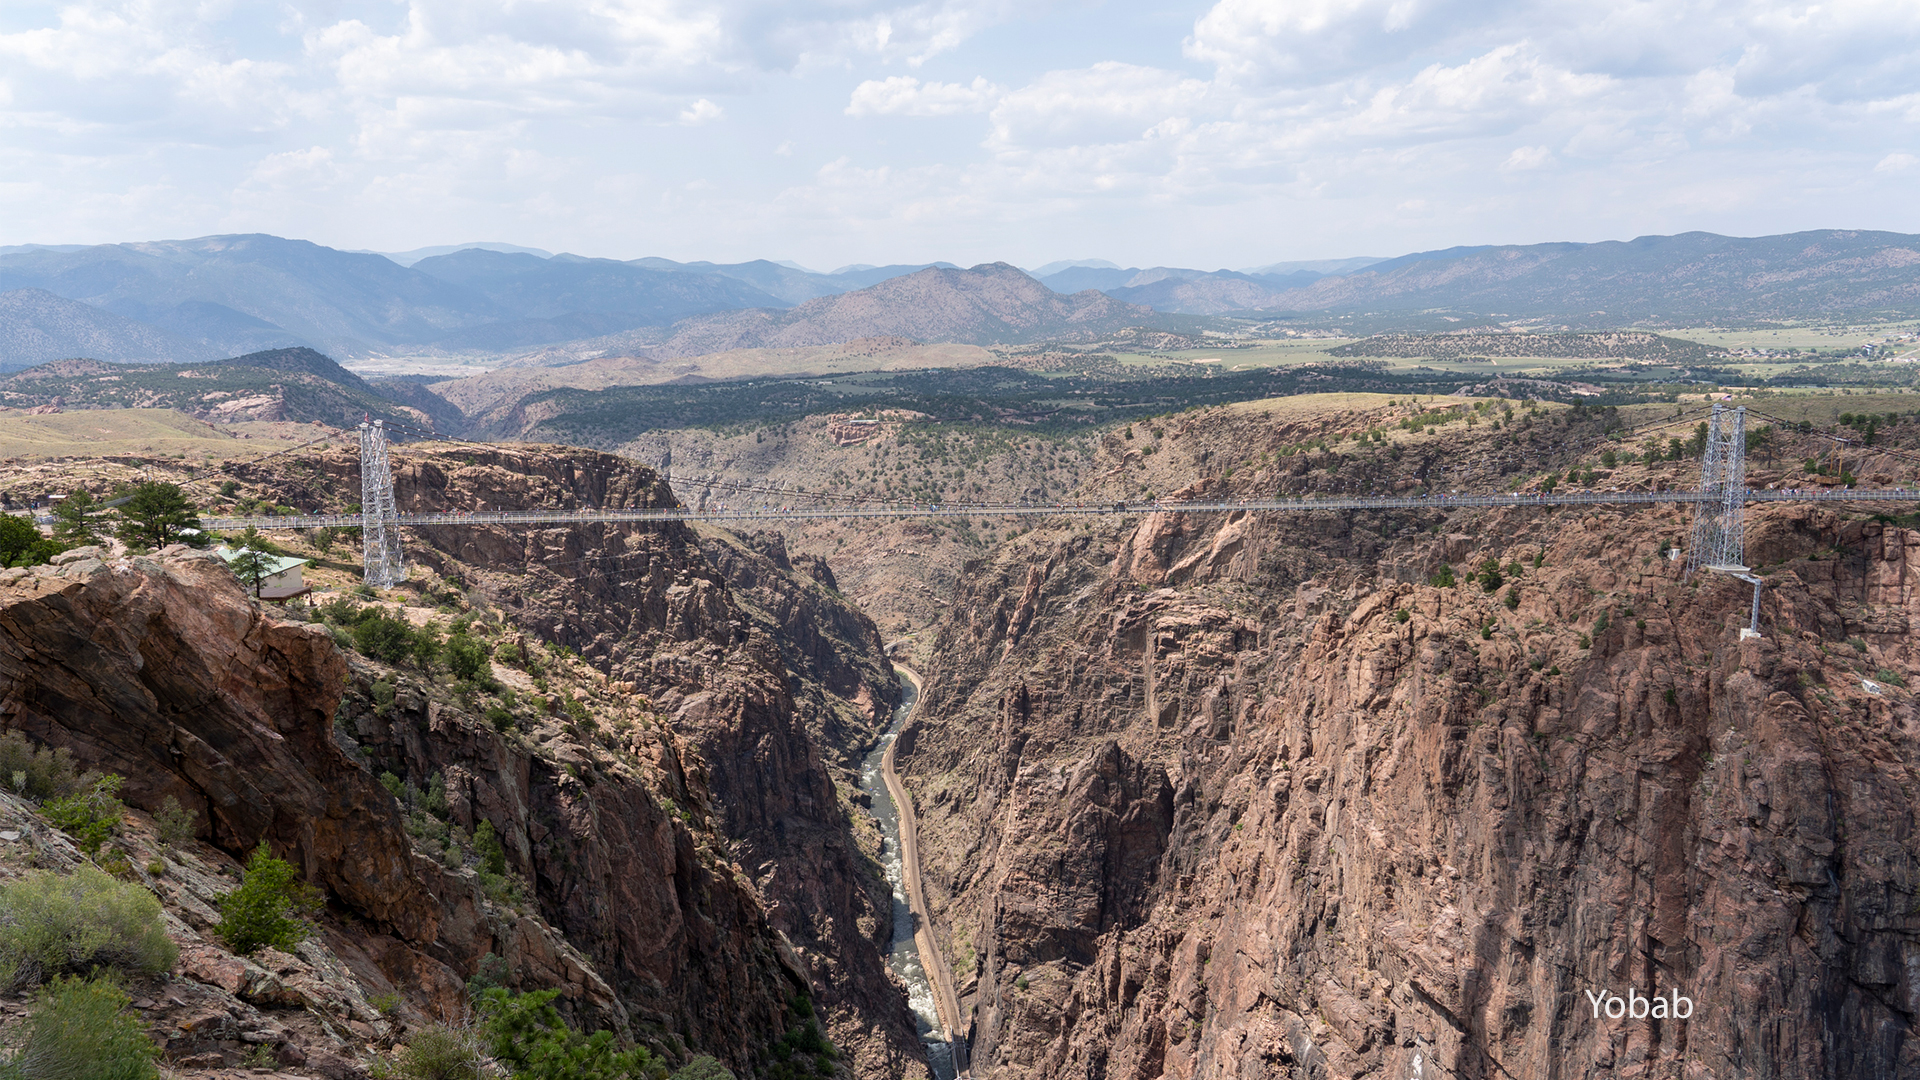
x,y
298,385
990,304
1181,291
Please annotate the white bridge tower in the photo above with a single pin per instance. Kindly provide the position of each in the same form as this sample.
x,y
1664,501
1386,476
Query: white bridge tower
x,y
385,566
1719,524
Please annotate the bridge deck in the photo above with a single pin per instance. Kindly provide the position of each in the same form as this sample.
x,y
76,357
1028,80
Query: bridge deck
x,y
770,512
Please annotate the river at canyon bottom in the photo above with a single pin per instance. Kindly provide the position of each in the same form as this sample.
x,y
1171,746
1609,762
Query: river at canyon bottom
x,y
904,957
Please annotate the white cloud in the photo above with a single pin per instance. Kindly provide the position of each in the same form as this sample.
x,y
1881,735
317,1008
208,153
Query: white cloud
x,y
1106,103
1294,41
904,95
313,167
701,112
1894,163
1527,158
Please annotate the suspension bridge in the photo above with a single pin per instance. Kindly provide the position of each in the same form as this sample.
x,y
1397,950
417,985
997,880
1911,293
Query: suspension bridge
x,y
1717,543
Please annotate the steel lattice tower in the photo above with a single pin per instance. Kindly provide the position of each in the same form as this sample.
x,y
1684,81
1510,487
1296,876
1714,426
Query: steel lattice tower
x,y
1719,526
380,528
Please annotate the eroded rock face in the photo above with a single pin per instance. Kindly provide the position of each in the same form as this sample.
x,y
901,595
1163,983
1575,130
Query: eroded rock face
x,y
163,671
1185,818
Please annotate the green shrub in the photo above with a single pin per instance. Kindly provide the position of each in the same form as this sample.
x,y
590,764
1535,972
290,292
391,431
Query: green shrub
x,y
1489,576
525,1033
703,1068
268,908
1890,677
435,800
1442,578
467,659
78,924
384,637
174,823
486,844
88,815
80,1030
36,772
341,611
493,971
438,1052
22,545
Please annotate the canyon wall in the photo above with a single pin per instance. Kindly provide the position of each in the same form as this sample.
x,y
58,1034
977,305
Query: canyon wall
x,y
765,684
1245,796
690,857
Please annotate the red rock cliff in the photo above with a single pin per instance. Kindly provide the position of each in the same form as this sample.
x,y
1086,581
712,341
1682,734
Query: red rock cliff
x,y
1187,814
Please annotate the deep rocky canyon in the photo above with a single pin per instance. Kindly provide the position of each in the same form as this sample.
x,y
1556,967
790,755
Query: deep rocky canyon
x,y
1200,796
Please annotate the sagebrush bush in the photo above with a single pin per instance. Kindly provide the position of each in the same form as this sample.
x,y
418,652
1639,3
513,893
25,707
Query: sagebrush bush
x,y
75,924
80,1030
704,1067
268,908
90,814
36,772
174,823
438,1052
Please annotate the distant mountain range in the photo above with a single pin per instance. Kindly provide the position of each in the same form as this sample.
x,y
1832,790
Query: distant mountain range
x,y
191,300
1657,280
183,300
37,326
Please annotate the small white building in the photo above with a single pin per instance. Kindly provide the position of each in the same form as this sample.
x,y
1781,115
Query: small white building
x,y
283,575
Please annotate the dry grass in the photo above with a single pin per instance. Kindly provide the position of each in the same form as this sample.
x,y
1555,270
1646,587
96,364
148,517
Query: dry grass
x,y
118,432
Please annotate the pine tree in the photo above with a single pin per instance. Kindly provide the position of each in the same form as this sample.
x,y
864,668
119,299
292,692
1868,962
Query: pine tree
x,y
156,515
75,525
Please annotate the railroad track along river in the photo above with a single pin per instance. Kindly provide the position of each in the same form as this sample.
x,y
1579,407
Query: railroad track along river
x,y
938,974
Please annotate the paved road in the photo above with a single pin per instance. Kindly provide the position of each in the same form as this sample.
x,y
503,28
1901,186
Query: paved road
x,y
976,510
939,975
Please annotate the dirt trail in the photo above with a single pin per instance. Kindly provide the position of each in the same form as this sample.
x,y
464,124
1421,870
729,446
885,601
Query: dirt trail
x,y
938,973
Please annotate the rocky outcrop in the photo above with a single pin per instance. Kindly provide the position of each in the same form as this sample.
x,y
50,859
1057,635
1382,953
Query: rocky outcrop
x,y
1209,797
688,849
161,670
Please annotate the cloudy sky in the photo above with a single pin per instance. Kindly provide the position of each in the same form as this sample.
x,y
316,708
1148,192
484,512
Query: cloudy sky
x,y
1233,133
